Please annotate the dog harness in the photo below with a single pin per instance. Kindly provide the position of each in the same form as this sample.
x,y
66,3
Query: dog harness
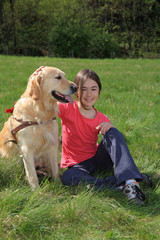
x,y
23,124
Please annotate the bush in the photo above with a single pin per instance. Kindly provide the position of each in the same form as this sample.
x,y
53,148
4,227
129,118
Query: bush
x,y
68,40
79,41
102,45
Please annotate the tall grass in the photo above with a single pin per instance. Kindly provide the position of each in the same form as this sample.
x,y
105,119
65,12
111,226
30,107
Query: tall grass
x,y
131,99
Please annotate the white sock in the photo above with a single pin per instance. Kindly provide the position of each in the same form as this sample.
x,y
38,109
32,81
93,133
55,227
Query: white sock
x,y
121,187
126,183
130,181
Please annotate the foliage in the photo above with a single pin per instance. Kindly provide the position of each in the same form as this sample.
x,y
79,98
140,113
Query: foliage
x,y
103,45
69,40
80,28
135,24
74,40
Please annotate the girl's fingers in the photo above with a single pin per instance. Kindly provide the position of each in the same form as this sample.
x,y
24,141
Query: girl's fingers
x,y
104,127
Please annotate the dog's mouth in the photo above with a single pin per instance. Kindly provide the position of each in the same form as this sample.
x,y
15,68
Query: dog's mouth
x,y
62,98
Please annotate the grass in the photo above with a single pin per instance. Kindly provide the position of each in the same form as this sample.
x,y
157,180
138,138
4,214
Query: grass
x,y
131,99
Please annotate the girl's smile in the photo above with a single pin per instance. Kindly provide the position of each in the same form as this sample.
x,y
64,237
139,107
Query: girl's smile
x,y
90,94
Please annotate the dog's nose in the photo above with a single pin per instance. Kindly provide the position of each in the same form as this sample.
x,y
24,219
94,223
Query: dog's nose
x,y
73,88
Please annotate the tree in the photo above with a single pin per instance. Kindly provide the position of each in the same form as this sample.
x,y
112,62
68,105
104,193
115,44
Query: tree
x,y
133,23
90,28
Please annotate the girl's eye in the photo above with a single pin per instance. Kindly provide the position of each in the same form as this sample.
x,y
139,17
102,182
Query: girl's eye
x,y
92,89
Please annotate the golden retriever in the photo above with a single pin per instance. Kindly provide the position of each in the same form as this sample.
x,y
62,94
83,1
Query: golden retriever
x,y
32,130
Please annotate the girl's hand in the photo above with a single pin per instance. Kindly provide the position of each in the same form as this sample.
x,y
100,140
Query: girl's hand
x,y
104,127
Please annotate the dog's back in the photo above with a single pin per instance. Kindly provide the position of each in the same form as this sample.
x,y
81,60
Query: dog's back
x,y
8,147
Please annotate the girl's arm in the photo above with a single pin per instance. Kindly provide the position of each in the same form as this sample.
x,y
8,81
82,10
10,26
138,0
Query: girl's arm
x,y
104,127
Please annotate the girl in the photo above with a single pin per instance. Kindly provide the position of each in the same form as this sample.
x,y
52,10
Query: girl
x,y
81,124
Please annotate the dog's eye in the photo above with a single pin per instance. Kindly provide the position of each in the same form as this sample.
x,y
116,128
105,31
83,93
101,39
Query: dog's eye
x,y
58,77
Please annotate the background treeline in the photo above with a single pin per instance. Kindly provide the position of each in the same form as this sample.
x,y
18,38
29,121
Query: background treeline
x,y
80,28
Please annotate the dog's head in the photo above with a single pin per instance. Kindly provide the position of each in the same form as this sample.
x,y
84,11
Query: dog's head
x,y
50,82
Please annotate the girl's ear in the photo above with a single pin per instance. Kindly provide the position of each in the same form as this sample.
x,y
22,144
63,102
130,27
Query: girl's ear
x,y
78,94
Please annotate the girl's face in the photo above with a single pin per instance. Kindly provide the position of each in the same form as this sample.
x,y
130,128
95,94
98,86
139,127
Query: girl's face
x,y
90,94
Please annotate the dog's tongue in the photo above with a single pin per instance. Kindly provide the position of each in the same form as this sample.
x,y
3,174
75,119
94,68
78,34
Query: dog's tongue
x,y
69,98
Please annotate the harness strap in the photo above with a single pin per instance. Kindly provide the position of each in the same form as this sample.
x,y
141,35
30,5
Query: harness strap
x,y
13,141
23,124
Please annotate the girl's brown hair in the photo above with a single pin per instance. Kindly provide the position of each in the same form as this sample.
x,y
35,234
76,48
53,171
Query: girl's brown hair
x,y
82,76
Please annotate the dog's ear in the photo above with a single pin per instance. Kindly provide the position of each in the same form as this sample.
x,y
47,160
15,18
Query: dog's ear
x,y
34,87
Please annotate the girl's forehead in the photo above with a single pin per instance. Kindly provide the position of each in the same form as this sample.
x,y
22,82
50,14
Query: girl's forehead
x,y
90,83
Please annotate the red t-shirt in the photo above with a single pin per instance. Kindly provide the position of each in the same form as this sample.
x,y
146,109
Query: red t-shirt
x,y
79,134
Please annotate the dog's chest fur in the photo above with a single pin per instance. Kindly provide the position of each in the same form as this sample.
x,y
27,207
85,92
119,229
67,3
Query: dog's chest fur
x,y
43,136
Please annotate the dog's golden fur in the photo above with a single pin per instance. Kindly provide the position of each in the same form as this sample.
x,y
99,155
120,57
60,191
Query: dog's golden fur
x,y
37,142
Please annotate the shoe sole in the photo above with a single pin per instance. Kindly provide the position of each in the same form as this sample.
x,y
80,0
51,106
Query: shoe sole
x,y
146,179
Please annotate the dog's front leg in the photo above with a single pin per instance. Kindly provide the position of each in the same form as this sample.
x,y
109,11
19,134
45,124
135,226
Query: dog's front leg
x,y
53,163
55,168
31,174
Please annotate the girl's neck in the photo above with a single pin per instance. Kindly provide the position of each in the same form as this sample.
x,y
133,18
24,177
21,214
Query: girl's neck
x,y
87,112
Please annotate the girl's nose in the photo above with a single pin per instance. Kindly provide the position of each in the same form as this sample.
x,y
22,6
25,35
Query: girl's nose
x,y
88,92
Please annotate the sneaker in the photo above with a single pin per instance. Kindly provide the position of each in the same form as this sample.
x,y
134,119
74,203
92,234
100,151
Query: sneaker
x,y
147,179
133,192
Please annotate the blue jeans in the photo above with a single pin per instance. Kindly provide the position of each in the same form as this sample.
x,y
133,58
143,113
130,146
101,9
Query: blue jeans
x,y
112,153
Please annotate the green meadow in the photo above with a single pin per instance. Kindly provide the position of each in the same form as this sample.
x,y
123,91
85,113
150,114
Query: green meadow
x,y
130,97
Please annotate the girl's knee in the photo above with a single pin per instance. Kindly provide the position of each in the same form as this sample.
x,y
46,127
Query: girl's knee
x,y
71,177
113,133
113,130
